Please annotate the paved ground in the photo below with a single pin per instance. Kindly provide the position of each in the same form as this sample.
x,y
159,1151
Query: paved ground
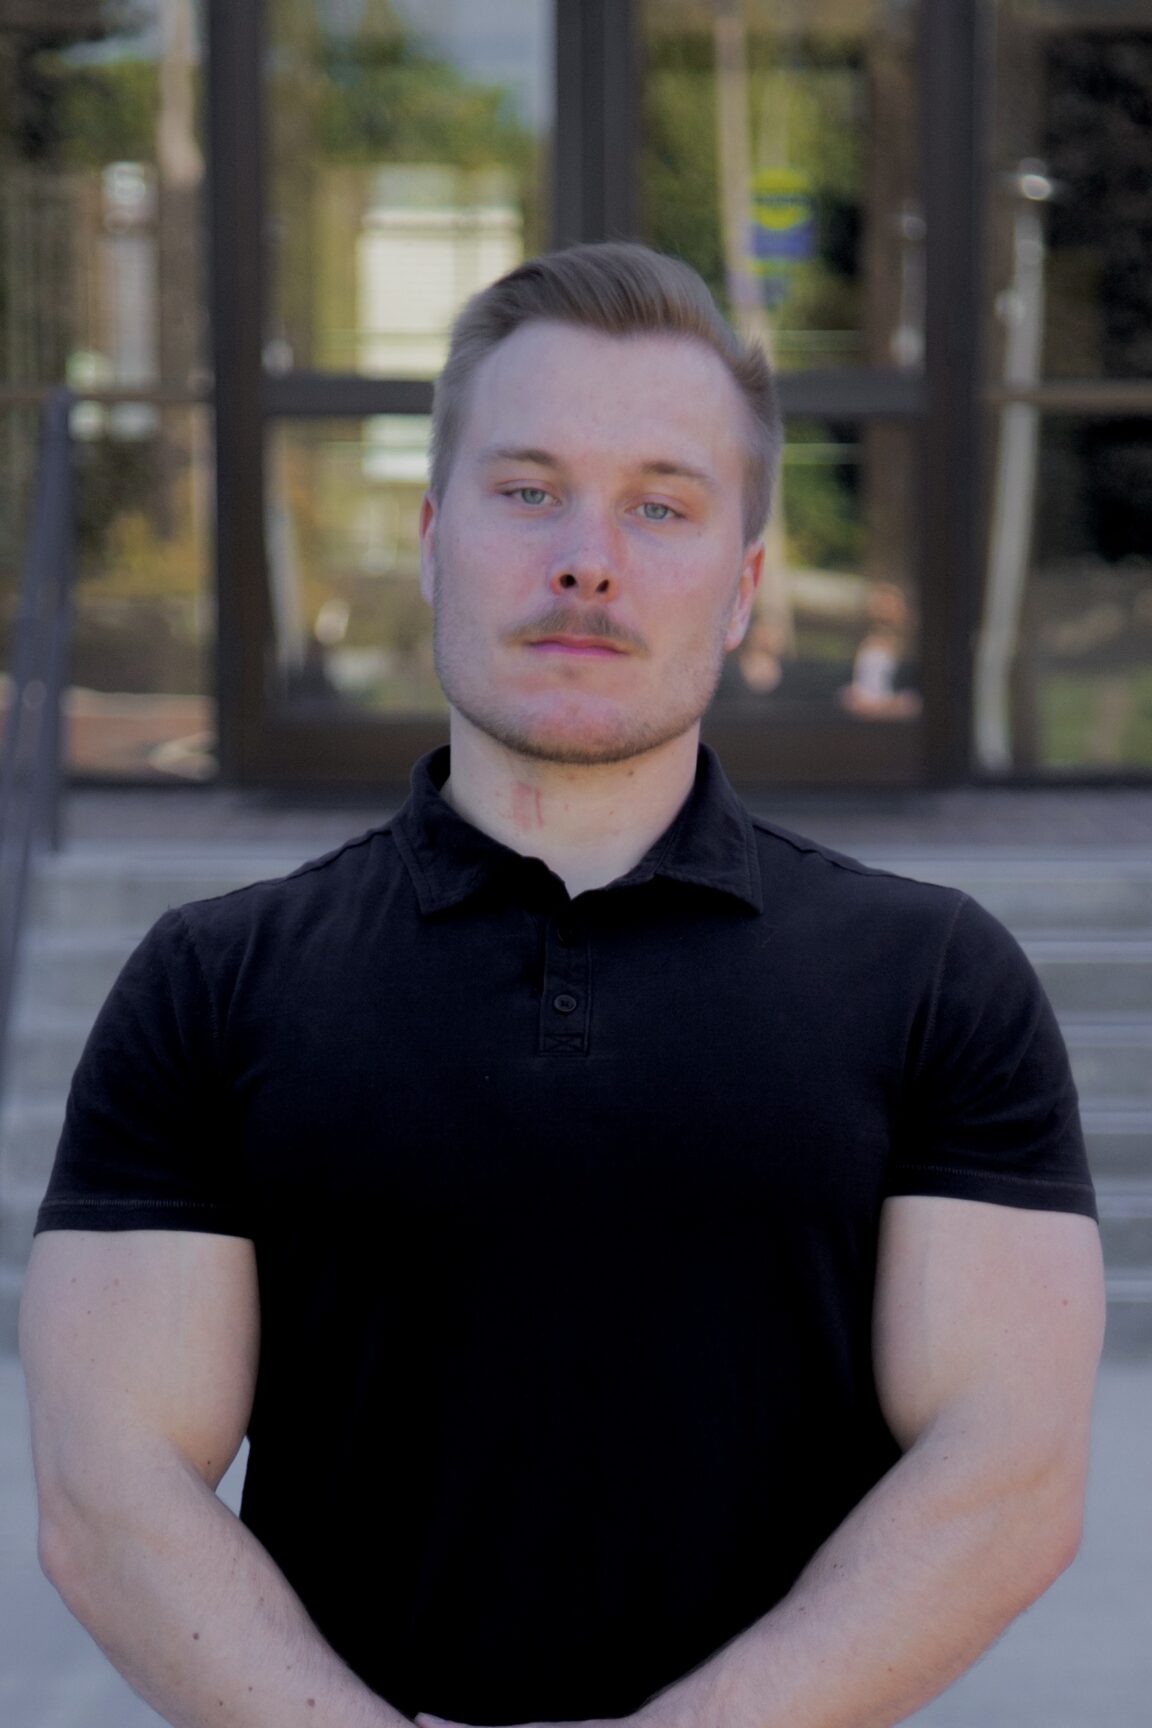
x,y
1082,1658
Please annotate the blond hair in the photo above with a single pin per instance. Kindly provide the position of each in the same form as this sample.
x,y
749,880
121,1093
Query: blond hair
x,y
619,289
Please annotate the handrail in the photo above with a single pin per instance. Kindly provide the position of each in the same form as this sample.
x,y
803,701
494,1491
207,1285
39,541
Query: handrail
x,y
30,765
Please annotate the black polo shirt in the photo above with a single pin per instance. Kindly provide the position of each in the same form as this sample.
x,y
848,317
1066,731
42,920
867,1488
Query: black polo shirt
x,y
565,1214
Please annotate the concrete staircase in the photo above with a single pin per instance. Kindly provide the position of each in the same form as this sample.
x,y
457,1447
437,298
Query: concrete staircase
x,y
90,905
1085,921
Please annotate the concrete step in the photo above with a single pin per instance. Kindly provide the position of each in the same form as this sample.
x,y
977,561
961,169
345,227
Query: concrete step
x,y
1095,976
18,1220
1045,892
29,1134
1119,1141
1128,1334
91,886
43,1051
11,1284
1111,1060
1126,1226
72,971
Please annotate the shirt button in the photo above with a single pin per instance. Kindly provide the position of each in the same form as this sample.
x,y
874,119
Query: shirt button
x,y
564,1004
565,934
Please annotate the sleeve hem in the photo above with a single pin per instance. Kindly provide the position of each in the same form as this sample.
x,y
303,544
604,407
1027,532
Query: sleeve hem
x,y
123,1213
999,1188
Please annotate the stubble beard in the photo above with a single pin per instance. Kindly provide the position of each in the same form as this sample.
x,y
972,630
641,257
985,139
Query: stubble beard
x,y
632,735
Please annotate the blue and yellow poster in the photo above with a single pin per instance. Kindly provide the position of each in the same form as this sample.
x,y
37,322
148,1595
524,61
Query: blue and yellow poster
x,y
782,228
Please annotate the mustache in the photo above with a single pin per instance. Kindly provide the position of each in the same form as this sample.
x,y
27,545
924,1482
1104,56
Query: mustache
x,y
563,621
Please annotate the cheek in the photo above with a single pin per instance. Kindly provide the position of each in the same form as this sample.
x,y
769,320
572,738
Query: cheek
x,y
484,559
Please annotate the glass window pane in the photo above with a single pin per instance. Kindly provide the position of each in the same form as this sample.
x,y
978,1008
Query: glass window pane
x,y
835,630
781,159
141,698
1070,198
407,146
1064,667
352,630
101,179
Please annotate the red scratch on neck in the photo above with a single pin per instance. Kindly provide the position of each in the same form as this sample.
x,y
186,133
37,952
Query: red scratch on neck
x,y
527,806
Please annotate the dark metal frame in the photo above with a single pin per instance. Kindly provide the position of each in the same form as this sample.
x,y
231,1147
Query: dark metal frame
x,y
236,299
595,196
954,81
30,766
597,129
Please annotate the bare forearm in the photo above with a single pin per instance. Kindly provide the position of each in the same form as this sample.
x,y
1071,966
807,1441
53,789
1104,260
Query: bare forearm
x,y
196,1616
913,1586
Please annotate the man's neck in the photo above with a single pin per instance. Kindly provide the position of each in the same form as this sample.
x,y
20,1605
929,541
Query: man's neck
x,y
591,824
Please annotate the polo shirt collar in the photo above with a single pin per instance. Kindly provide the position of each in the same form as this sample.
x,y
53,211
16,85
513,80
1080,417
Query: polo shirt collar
x,y
710,843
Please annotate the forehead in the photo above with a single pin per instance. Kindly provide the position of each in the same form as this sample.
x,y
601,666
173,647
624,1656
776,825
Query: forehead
x,y
561,388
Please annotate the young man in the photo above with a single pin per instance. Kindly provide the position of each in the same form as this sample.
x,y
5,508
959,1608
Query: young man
x,y
652,1255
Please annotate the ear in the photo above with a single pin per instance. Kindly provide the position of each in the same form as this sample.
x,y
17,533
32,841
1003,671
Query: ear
x,y
428,513
751,570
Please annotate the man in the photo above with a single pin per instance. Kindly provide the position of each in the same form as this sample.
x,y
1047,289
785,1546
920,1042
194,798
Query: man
x,y
652,1256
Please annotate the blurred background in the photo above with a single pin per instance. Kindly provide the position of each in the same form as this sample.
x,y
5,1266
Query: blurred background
x,y
240,232
233,237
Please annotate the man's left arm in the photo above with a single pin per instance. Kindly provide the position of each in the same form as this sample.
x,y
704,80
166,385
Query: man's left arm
x,y
987,1334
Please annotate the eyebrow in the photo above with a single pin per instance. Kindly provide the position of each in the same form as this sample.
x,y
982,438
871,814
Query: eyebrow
x,y
545,459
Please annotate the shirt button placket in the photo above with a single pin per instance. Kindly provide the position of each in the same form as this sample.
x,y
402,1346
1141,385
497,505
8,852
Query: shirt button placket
x,y
565,1002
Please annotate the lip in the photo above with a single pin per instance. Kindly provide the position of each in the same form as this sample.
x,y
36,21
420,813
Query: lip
x,y
591,645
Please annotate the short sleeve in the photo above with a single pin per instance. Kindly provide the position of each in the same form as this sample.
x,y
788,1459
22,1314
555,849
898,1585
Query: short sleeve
x,y
146,1142
990,1110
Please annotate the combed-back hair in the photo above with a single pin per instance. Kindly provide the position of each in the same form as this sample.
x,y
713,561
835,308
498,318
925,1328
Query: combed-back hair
x,y
619,289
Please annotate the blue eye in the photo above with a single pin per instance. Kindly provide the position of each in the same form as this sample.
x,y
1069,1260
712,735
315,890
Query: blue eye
x,y
650,505
530,494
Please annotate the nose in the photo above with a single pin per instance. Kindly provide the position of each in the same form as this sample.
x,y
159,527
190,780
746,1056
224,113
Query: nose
x,y
587,569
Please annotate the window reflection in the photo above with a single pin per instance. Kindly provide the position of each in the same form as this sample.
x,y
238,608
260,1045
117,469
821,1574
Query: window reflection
x,y
141,702
781,159
352,629
835,631
407,170
100,198
1072,139
1075,669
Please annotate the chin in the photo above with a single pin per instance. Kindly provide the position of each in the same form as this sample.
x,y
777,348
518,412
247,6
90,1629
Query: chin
x,y
579,741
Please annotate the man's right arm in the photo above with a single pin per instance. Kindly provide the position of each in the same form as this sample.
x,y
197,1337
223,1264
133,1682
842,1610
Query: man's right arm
x,y
140,1351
